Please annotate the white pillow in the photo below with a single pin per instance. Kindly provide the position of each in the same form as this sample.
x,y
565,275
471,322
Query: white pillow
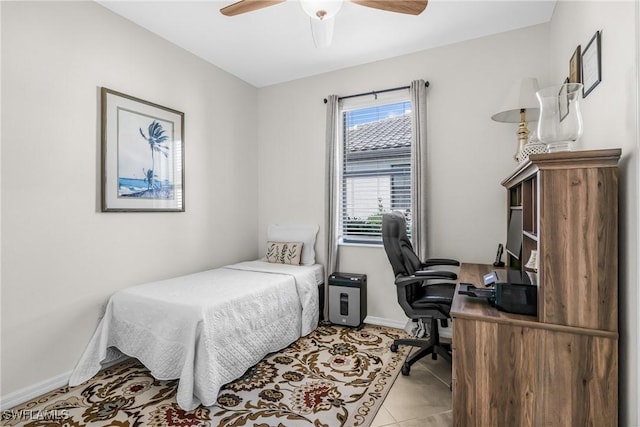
x,y
296,233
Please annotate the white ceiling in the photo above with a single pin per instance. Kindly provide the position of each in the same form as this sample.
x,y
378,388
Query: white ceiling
x,y
274,44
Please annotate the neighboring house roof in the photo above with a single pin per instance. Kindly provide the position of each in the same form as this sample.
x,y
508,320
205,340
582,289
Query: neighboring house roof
x,y
394,132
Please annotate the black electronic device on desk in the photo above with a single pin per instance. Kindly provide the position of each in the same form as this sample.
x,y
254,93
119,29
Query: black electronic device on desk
x,y
516,298
510,291
498,262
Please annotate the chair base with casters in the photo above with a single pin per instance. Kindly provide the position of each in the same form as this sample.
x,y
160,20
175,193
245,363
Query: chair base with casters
x,y
428,346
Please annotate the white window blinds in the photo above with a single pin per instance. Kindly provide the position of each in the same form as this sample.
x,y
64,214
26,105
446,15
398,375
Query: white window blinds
x,y
376,167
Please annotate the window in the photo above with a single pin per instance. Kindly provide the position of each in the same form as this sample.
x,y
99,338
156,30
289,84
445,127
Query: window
x,y
376,169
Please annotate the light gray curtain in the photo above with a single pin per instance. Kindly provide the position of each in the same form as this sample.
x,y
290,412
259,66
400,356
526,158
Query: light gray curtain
x,y
332,188
418,92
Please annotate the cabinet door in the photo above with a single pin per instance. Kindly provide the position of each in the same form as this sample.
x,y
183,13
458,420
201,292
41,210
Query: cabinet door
x,y
497,378
579,248
580,380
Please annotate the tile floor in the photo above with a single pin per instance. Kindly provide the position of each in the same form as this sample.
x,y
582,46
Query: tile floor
x,y
422,399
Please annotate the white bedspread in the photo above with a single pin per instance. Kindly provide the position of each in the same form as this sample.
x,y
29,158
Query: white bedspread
x,y
206,328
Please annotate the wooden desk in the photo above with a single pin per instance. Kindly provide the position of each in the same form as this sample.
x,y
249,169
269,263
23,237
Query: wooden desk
x,y
514,370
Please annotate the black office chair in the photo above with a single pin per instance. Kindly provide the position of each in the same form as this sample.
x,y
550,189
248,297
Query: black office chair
x,y
418,296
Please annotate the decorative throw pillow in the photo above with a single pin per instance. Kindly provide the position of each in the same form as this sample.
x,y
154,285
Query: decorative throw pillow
x,y
284,252
296,233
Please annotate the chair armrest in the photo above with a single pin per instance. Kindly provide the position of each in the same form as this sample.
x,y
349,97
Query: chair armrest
x,y
403,281
436,274
439,261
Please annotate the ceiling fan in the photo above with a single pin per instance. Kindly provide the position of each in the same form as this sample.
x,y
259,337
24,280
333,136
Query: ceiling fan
x,y
323,12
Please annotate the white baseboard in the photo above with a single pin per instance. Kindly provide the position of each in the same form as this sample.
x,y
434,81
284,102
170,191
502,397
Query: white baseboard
x,y
31,392
380,321
18,397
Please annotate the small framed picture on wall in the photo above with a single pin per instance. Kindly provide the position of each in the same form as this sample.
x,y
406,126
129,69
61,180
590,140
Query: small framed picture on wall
x,y
591,66
575,68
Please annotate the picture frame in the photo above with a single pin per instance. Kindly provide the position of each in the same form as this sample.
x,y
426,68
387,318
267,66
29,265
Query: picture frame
x,y
575,67
591,65
142,155
563,107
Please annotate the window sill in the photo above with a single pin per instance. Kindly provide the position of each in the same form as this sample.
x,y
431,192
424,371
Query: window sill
x,y
361,245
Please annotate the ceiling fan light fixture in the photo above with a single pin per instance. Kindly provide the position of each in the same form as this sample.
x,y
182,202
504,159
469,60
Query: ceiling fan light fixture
x,y
322,31
321,9
323,12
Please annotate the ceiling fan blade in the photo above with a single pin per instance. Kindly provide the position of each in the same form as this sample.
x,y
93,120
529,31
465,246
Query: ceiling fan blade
x,y
409,7
244,6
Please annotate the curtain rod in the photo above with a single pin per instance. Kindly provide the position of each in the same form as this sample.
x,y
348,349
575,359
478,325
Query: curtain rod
x,y
375,92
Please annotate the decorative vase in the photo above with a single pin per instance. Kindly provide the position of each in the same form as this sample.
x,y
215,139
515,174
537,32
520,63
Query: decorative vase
x,y
560,123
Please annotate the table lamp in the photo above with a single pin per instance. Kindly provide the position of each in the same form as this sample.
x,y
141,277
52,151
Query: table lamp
x,y
520,105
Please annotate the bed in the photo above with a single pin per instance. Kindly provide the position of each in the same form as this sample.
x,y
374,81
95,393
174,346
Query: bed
x,y
206,329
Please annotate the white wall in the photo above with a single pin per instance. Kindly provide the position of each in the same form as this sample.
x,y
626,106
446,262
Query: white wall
x,y
61,257
468,153
610,114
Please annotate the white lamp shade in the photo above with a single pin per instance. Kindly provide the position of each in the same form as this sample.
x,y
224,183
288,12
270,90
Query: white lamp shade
x,y
321,9
522,95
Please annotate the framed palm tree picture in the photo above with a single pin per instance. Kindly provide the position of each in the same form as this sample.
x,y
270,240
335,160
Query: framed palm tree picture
x,y
142,155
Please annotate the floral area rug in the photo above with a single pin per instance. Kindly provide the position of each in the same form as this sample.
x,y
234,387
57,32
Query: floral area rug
x,y
335,376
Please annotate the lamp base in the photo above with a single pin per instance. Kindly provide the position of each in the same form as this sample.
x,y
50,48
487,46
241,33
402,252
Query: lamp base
x,y
523,136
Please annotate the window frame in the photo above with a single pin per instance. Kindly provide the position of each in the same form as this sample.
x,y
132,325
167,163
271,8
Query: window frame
x,y
401,164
